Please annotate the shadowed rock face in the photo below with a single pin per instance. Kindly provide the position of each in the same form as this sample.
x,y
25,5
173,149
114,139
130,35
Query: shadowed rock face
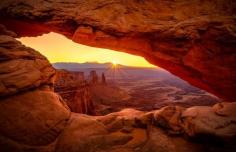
x,y
194,40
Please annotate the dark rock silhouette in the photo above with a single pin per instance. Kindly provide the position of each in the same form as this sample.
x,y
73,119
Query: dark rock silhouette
x,y
103,79
93,77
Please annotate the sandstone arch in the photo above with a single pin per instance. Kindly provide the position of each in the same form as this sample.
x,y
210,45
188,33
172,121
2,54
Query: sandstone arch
x,y
193,39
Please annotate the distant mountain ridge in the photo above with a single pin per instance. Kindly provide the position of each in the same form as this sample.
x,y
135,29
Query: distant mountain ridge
x,y
86,65
121,72
74,66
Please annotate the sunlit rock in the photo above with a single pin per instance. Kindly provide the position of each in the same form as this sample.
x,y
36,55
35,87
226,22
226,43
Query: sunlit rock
x,y
22,68
218,121
170,118
33,118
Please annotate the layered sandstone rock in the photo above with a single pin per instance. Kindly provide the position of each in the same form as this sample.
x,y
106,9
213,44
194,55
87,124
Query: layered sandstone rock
x,y
195,40
217,121
199,121
68,78
32,116
21,68
75,91
170,118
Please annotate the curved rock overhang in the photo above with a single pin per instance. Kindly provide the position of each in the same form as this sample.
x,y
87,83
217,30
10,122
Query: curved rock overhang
x,y
194,40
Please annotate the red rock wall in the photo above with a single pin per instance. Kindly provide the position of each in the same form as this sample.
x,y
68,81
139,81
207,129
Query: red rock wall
x,y
75,91
30,112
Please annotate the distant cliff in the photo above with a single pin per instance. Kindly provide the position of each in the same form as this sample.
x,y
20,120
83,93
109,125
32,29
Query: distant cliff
x,y
75,91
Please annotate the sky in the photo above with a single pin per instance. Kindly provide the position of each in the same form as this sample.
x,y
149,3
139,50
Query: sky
x,y
58,48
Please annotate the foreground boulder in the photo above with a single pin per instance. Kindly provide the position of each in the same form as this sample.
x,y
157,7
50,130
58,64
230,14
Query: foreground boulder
x,y
170,118
34,118
216,121
198,121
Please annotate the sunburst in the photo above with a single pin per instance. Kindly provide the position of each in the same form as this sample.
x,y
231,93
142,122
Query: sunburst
x,y
114,64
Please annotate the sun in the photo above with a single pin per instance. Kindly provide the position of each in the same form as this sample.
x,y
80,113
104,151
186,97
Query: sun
x,y
114,63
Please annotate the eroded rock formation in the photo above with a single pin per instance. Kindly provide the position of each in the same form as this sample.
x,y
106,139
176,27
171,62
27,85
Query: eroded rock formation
x,y
93,77
21,67
195,40
103,79
32,115
75,91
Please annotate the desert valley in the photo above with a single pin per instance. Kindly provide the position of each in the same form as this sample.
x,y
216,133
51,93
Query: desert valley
x,y
126,87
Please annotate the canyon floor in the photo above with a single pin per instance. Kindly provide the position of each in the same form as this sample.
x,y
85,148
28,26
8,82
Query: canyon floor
x,y
143,89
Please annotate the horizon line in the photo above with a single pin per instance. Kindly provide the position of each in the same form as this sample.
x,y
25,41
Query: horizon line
x,y
96,62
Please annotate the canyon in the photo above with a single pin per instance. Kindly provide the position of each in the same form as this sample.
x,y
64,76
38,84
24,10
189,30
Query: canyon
x,y
194,40
88,95
111,88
